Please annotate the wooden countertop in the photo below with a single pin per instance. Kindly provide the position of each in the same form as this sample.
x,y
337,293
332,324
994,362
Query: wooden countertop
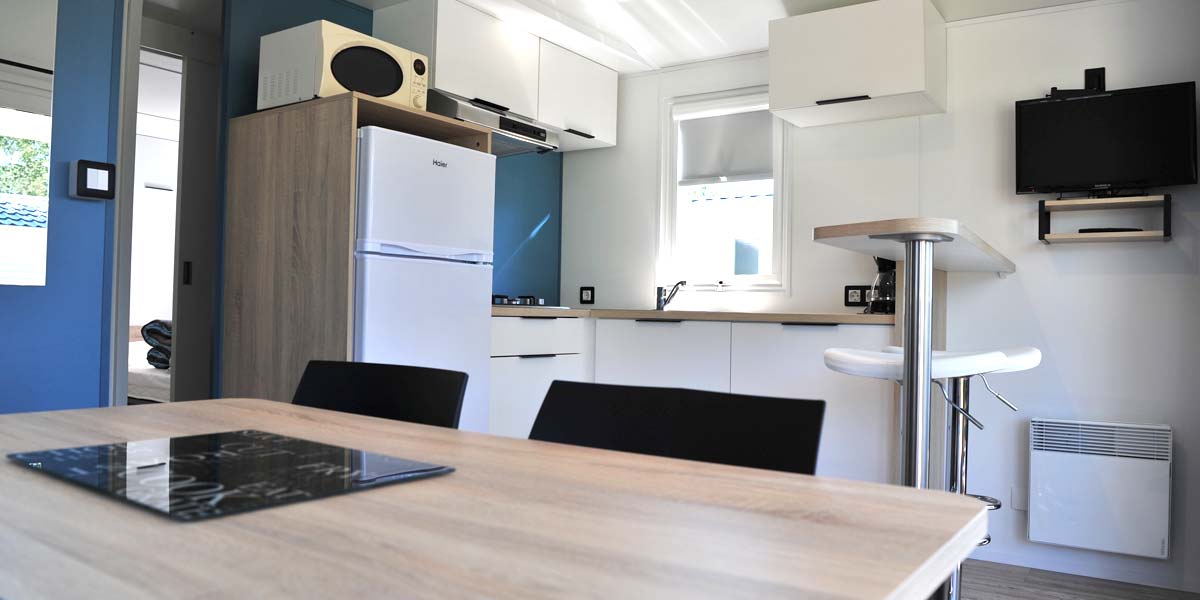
x,y
519,519
693,315
964,250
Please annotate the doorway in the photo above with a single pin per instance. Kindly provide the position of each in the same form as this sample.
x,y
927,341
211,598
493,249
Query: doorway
x,y
166,267
152,244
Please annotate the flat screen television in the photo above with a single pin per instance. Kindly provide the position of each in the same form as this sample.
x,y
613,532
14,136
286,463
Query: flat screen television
x,y
1129,139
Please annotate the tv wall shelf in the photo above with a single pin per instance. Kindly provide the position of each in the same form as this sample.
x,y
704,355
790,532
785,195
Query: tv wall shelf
x,y
1046,207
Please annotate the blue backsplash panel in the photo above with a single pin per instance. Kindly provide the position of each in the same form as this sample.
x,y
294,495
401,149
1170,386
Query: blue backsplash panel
x,y
528,235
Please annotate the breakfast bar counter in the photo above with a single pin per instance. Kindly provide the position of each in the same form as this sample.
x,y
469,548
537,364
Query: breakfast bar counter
x,y
518,518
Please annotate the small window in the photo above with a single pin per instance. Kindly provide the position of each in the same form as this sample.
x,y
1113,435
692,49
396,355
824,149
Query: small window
x,y
24,196
722,216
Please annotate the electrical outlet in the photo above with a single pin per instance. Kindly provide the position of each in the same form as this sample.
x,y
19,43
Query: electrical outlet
x,y
856,295
587,295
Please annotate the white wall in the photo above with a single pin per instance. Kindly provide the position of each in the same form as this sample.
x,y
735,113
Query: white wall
x,y
611,197
152,247
1117,322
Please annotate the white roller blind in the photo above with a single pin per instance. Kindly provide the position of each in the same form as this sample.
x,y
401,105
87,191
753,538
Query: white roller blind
x,y
734,147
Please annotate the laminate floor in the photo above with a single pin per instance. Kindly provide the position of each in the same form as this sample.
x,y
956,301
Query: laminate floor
x,y
995,581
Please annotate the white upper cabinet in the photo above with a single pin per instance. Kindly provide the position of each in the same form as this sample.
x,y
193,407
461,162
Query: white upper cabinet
x,y
474,55
479,56
577,96
875,60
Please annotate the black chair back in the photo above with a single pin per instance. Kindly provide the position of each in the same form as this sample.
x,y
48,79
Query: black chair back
x,y
413,394
749,431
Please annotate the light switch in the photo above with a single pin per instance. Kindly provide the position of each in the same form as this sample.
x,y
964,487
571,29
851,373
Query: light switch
x,y
91,180
97,179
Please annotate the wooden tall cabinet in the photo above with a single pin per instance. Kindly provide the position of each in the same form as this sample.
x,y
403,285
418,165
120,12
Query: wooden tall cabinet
x,y
290,230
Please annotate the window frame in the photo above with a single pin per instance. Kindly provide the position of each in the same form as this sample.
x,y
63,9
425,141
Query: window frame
x,y
681,108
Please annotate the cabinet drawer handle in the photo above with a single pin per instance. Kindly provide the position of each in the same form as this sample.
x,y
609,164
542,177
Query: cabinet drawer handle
x,y
537,356
841,100
537,317
658,320
586,136
492,106
807,324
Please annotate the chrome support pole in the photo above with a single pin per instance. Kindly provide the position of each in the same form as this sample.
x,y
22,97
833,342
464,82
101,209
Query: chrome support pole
x,y
956,462
956,475
918,360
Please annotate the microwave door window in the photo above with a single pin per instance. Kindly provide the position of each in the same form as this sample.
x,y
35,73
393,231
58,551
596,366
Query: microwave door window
x,y
367,70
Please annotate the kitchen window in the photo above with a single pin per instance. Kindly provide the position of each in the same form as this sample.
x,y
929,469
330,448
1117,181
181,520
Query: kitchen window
x,y
722,216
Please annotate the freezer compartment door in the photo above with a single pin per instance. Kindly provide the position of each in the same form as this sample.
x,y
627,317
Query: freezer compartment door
x,y
427,313
425,196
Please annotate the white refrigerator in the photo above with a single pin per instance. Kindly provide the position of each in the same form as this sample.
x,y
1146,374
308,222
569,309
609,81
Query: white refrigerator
x,y
423,259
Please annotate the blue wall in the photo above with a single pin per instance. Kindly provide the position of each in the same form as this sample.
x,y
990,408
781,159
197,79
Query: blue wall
x,y
54,340
528,235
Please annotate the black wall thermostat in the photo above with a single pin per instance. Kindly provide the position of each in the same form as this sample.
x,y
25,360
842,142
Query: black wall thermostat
x,y
91,180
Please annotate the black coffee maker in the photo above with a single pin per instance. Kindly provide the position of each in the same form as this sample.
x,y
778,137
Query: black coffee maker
x,y
881,298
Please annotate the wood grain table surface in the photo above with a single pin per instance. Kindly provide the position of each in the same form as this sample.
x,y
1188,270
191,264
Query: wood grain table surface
x,y
518,519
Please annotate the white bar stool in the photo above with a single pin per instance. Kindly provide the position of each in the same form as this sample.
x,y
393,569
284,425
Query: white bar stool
x,y
958,368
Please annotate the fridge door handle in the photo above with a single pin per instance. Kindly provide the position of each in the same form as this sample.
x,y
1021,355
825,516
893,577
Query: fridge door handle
x,y
424,251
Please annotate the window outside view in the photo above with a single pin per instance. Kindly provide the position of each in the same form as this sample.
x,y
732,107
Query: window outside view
x,y
725,228
24,196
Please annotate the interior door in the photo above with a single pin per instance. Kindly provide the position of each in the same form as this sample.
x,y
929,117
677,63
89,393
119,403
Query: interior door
x,y
56,336
196,232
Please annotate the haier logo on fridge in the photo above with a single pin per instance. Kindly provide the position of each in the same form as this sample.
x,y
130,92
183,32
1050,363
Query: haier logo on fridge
x,y
439,163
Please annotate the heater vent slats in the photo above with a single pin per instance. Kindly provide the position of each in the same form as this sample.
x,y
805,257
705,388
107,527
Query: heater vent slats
x,y
1101,439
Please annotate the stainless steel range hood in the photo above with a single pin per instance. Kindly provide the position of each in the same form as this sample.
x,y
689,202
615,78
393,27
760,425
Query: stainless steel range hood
x,y
511,134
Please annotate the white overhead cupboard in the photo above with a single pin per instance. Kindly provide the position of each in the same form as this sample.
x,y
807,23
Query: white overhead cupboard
x,y
478,57
474,55
874,60
577,97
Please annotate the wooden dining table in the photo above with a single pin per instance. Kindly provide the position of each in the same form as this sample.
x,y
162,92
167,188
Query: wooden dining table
x,y
517,519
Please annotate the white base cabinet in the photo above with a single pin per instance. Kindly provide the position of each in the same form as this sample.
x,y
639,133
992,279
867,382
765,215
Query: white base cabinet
x,y
528,354
858,439
520,383
688,354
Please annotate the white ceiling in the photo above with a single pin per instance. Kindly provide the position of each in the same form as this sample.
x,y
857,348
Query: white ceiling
x,y
197,15
27,31
640,35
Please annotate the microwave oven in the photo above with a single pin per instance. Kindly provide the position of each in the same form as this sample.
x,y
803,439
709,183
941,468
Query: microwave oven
x,y
320,59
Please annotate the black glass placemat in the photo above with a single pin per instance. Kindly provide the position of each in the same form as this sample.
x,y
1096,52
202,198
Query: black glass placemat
x,y
204,476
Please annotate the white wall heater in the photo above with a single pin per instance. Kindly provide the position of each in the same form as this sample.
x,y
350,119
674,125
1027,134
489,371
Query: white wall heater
x,y
1101,486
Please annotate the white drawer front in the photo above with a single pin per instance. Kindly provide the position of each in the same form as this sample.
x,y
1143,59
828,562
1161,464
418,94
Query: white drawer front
x,y
523,336
858,439
519,385
685,354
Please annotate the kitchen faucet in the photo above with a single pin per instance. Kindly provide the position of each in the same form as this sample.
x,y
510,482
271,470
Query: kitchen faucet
x,y
663,298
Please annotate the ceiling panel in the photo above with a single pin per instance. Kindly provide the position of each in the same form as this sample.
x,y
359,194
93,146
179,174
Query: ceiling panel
x,y
639,35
